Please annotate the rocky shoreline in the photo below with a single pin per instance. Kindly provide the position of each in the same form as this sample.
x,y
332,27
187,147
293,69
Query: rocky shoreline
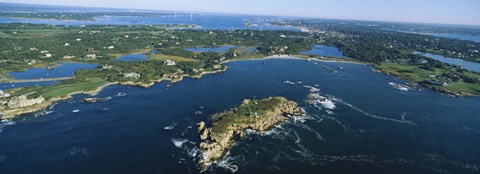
x,y
218,139
14,112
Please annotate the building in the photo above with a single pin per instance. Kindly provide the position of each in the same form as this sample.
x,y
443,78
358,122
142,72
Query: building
x,y
48,55
170,63
92,56
110,47
68,57
106,66
22,101
217,66
67,44
131,75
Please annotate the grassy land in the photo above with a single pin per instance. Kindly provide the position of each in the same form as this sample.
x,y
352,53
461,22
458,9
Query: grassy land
x,y
416,74
159,56
244,114
63,88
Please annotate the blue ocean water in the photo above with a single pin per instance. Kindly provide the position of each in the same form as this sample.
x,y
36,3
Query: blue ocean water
x,y
63,70
472,66
320,50
204,21
374,127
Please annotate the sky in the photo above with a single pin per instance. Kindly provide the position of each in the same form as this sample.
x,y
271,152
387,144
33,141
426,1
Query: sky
x,y
420,11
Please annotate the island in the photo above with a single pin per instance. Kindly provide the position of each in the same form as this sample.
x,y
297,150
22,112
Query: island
x,y
257,115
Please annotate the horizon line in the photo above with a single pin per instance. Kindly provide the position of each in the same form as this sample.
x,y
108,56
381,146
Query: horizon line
x,y
266,15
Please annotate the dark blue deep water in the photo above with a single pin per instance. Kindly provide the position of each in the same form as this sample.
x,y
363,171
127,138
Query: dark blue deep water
x,y
374,128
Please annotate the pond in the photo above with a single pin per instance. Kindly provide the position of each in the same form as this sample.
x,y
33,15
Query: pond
x,y
63,70
472,66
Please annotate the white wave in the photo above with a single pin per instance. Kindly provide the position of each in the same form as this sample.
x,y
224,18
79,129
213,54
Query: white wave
x,y
170,127
227,163
312,89
121,94
6,123
289,82
317,135
321,100
400,86
43,113
52,106
178,142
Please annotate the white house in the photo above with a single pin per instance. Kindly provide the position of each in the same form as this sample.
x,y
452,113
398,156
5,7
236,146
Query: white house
x,y
131,75
68,57
91,56
170,63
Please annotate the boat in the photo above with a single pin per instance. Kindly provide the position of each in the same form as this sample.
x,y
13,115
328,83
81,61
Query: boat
x,y
75,111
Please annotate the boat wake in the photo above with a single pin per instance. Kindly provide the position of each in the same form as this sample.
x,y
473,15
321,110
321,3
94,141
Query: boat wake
x,y
403,120
178,142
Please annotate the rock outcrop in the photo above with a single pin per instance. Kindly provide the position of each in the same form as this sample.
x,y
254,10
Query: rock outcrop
x,y
260,116
22,101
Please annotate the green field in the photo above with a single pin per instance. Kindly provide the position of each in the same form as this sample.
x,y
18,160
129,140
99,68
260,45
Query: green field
x,y
416,74
63,88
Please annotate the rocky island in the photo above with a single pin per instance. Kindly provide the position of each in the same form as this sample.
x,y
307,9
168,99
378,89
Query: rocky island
x,y
258,115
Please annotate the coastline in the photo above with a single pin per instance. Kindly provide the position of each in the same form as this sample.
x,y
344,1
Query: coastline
x,y
9,114
13,113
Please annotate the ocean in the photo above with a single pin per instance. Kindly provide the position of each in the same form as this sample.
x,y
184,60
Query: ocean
x,y
372,128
